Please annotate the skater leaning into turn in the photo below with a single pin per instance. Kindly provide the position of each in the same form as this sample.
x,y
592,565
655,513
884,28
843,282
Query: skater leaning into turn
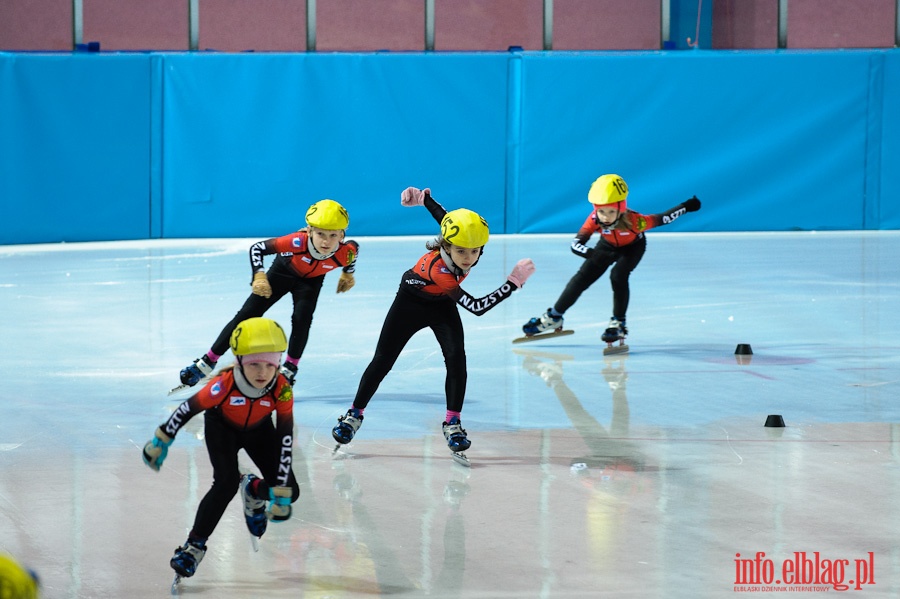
x,y
238,405
428,296
622,243
304,258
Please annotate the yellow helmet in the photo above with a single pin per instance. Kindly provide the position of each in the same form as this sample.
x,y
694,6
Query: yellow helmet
x,y
258,336
464,228
608,189
327,214
15,581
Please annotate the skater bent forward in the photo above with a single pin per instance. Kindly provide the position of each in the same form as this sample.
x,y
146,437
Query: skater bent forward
x,y
304,258
238,405
622,242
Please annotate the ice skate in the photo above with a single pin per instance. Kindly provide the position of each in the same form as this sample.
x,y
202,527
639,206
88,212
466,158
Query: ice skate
x,y
544,326
290,372
347,426
200,370
615,331
186,560
457,440
254,510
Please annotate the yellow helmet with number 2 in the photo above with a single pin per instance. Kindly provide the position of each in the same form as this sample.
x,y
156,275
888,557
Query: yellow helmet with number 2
x,y
464,228
327,214
608,189
258,336
15,581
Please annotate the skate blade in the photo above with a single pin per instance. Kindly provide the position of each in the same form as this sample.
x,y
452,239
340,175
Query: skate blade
x,y
175,582
199,385
460,458
175,390
615,349
537,336
254,542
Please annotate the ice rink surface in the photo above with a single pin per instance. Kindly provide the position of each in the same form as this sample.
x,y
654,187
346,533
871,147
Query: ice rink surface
x,y
641,476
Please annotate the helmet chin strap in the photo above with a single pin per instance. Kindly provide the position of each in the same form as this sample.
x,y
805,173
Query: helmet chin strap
x,y
245,387
610,225
452,265
314,252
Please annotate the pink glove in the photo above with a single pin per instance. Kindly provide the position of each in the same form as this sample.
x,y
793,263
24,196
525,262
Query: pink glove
x,y
413,196
523,269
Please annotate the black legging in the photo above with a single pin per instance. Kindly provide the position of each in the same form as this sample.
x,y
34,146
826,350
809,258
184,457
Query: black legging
x,y
223,442
407,316
626,260
305,293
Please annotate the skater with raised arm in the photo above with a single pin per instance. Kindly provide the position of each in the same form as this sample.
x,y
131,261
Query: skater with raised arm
x,y
428,297
238,405
622,243
304,258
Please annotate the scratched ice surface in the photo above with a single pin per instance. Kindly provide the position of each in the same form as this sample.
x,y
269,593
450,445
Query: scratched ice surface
x,y
638,476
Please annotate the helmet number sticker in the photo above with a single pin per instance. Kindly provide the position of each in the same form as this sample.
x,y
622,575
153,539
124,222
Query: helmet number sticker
x,y
448,230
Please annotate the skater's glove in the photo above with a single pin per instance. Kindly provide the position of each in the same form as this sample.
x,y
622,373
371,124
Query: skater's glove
x,y
413,196
156,449
523,269
261,285
279,508
346,282
692,205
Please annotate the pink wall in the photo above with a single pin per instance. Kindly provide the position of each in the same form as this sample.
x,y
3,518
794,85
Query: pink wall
x,y
366,25
488,24
36,25
606,25
810,23
137,24
260,25
467,25
745,24
841,23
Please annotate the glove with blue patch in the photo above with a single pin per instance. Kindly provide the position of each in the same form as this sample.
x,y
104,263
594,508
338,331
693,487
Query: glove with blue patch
x,y
279,508
156,449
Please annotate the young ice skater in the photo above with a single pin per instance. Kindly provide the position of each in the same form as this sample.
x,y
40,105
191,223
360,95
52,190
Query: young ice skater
x,y
429,296
622,243
303,259
237,408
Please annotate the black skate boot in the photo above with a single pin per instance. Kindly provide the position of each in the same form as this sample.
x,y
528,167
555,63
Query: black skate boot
x,y
455,435
254,509
615,331
542,324
188,557
193,374
290,372
347,426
